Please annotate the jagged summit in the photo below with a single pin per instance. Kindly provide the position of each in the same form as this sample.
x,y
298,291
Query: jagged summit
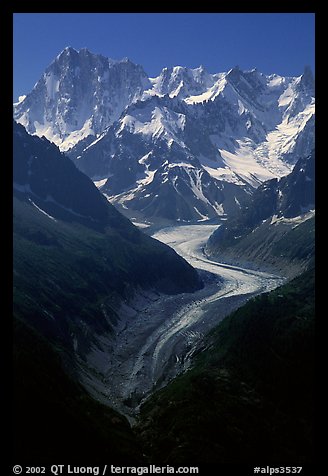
x,y
186,130
307,83
234,70
79,95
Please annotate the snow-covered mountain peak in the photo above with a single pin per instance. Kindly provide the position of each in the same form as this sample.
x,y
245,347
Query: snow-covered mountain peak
x,y
182,82
80,94
66,51
209,137
153,120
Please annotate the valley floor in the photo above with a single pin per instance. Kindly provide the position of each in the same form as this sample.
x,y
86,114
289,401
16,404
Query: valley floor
x,y
158,334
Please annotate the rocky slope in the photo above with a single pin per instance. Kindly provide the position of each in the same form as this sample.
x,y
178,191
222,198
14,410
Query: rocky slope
x,y
276,227
77,261
249,394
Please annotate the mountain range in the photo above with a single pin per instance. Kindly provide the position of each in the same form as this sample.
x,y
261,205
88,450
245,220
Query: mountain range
x,y
234,148
184,146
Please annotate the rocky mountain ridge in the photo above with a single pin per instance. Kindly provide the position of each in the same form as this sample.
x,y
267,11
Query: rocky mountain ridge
x,y
187,145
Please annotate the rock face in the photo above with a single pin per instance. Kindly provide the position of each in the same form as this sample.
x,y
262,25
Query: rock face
x,y
80,94
207,140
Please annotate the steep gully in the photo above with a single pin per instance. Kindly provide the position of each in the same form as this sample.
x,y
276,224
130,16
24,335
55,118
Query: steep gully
x,y
158,334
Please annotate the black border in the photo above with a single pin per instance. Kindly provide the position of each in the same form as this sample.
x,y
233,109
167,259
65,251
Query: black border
x,y
6,75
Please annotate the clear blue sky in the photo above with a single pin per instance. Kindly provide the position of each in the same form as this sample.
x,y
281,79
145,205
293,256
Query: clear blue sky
x,y
280,43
